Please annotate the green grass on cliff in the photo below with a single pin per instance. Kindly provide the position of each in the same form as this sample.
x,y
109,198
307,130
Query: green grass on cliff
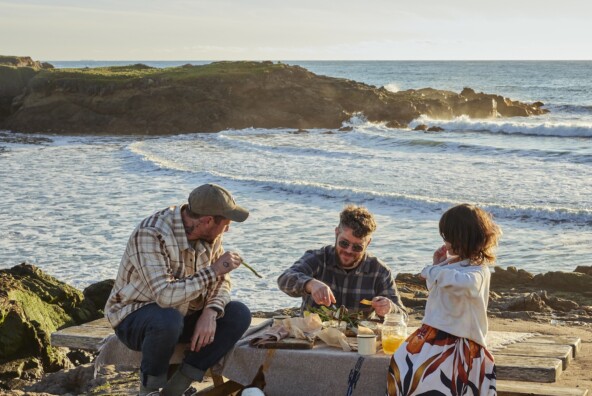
x,y
119,74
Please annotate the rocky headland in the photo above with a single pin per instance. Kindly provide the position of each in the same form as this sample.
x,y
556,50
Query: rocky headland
x,y
139,99
34,304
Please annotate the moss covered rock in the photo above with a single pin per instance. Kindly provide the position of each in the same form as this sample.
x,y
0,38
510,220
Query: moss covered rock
x,y
32,306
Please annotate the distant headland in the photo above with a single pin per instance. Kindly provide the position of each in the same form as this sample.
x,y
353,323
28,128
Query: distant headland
x,y
35,97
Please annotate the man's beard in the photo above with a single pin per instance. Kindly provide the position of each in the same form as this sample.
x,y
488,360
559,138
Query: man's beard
x,y
351,265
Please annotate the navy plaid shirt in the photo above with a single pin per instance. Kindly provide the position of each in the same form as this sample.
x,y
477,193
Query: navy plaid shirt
x,y
369,279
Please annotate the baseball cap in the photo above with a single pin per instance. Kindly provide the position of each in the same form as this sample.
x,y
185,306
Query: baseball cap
x,y
214,200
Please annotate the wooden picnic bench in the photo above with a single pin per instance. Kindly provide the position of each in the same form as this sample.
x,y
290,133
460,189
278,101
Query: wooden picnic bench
x,y
523,368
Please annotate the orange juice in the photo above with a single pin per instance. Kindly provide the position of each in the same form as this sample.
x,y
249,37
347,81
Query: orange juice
x,y
390,343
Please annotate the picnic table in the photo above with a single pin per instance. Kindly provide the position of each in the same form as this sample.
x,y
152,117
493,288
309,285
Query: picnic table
x,y
523,367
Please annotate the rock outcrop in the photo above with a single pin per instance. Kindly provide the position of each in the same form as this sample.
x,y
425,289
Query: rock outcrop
x,y
23,61
518,294
138,99
32,306
15,74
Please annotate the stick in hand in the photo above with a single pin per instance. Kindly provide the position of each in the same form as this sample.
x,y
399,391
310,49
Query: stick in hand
x,y
251,268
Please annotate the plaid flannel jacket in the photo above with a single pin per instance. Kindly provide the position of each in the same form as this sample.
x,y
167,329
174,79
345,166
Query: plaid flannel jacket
x,y
371,278
160,266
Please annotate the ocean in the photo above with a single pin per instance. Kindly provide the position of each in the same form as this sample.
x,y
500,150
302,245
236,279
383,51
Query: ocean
x,y
68,204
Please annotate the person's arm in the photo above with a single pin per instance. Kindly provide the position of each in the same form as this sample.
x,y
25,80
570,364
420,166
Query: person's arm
x,y
204,330
300,279
467,281
148,253
294,279
219,291
387,297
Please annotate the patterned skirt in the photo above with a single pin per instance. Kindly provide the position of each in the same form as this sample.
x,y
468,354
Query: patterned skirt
x,y
433,362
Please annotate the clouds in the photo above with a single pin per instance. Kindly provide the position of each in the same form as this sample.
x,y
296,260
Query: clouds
x,y
266,29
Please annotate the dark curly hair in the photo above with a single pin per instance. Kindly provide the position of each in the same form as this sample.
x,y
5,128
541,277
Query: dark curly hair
x,y
359,219
471,232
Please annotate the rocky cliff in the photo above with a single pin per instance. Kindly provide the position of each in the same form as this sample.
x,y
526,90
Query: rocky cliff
x,y
138,99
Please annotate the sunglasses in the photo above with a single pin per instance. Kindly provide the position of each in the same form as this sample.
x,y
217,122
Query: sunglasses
x,y
355,247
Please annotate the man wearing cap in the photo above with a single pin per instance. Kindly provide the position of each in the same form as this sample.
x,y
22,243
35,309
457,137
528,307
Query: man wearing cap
x,y
173,286
344,273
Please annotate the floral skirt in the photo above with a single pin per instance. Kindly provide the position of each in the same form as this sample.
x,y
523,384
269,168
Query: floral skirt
x,y
433,362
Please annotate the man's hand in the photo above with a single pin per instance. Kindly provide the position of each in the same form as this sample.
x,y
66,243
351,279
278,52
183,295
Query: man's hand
x,y
382,305
204,331
320,292
226,263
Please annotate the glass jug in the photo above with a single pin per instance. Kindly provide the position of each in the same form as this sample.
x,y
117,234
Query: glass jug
x,y
393,333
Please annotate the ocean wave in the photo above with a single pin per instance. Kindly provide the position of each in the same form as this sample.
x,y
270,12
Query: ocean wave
x,y
378,137
142,150
549,128
281,149
545,214
370,139
570,109
482,149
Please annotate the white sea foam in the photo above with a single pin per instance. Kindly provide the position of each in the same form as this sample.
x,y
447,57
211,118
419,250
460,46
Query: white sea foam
x,y
542,213
139,148
262,145
510,126
392,87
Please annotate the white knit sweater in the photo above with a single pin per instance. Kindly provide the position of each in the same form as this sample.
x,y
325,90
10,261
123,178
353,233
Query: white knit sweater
x,y
457,303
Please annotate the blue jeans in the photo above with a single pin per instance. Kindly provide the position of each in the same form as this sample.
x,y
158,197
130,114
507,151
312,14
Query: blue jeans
x,y
155,331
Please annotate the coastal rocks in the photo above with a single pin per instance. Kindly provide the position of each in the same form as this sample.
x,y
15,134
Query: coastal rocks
x,y
15,74
32,306
518,294
98,293
564,281
584,269
23,61
536,302
424,127
73,381
510,276
226,95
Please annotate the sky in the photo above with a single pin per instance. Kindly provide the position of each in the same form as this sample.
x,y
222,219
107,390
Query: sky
x,y
296,30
